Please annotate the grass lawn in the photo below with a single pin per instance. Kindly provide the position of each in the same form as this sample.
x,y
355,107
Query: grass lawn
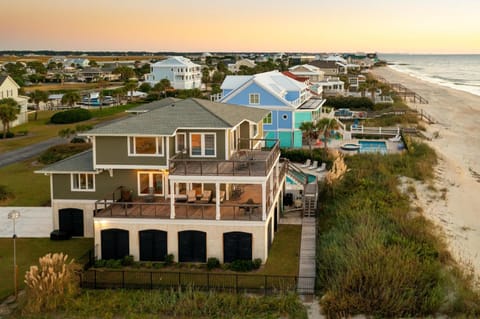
x,y
284,255
29,189
28,252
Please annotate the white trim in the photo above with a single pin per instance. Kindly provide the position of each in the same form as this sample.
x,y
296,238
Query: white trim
x,y
271,119
252,95
157,145
82,189
227,148
94,150
202,141
186,222
214,179
133,166
184,141
68,201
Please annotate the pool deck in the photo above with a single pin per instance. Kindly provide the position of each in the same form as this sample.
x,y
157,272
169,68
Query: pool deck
x,y
392,147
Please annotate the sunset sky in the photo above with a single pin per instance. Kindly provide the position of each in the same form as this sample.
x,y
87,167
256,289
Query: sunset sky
x,y
402,26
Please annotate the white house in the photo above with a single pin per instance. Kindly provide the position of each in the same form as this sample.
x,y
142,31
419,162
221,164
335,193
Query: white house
x,y
235,67
182,73
9,89
313,73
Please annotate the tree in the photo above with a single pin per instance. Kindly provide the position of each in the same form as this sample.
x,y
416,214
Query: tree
x,y
161,87
310,133
125,72
206,77
70,98
9,109
38,96
218,77
145,87
131,86
93,63
324,127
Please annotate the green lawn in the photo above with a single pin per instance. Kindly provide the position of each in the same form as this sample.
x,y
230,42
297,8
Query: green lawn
x,y
28,252
284,254
28,188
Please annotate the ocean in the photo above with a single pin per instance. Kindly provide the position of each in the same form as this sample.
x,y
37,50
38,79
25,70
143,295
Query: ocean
x,y
461,72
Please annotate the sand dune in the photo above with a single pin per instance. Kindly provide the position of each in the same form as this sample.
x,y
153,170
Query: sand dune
x,y
458,174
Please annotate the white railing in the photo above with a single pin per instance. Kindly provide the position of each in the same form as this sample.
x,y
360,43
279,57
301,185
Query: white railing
x,y
216,97
360,129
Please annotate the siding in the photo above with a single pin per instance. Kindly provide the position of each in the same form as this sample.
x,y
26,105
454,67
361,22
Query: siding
x,y
292,95
284,123
301,117
266,98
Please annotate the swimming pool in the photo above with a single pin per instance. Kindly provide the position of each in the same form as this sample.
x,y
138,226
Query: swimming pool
x,y
373,147
311,179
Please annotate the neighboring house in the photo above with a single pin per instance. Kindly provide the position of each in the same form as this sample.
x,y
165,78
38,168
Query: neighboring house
x,y
192,178
356,81
289,100
182,73
9,89
329,68
235,67
77,62
332,86
313,73
95,74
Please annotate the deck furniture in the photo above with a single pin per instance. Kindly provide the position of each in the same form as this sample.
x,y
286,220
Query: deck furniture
x,y
191,196
222,197
308,162
206,197
322,167
314,165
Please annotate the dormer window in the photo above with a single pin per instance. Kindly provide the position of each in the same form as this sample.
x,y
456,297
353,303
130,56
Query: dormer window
x,y
254,98
145,146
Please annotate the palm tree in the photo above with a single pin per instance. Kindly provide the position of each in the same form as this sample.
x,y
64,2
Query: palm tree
x,y
38,96
161,87
310,133
325,126
70,98
131,86
9,109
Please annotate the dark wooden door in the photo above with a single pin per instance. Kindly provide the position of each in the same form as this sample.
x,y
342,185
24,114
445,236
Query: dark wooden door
x,y
192,246
153,245
237,246
115,244
70,220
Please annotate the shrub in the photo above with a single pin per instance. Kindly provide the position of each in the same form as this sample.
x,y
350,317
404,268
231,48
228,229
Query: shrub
x,y
78,139
113,263
242,265
127,260
8,135
49,284
212,263
59,152
5,193
157,265
169,259
71,116
350,102
257,262
100,263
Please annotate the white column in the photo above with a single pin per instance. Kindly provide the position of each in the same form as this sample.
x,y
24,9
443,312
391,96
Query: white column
x,y
270,179
172,200
217,201
264,201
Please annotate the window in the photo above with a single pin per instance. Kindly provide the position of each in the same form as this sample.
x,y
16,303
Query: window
x,y
180,142
254,98
149,182
202,144
145,146
253,130
267,119
83,182
285,116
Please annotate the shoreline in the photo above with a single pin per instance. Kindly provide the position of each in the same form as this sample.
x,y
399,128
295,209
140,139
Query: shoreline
x,y
455,205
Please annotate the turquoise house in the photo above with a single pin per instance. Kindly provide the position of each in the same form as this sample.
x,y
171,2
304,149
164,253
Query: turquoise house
x,y
290,102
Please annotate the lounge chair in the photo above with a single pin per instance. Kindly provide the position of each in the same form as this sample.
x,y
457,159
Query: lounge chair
x,y
322,167
191,196
308,162
222,197
314,165
206,197
397,138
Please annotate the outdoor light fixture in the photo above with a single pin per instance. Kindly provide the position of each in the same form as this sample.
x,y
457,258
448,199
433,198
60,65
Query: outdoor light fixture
x,y
14,215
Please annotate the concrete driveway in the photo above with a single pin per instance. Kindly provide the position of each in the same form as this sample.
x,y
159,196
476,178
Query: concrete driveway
x,y
33,222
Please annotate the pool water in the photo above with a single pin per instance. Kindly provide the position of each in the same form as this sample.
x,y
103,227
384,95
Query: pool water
x,y
373,147
311,178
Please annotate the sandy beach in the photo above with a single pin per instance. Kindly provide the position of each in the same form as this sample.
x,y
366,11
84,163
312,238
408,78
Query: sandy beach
x,y
457,114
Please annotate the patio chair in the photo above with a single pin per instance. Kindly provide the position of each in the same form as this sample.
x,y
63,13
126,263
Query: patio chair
x,y
222,197
397,138
322,167
206,197
151,195
308,162
191,196
314,165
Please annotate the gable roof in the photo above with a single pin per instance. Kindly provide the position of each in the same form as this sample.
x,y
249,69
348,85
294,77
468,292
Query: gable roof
x,y
306,67
296,77
190,113
81,163
3,79
175,61
322,64
274,82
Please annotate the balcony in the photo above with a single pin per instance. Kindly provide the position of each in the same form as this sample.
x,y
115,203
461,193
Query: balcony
x,y
244,203
256,159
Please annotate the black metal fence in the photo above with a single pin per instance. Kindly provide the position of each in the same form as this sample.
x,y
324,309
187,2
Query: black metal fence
x,y
238,283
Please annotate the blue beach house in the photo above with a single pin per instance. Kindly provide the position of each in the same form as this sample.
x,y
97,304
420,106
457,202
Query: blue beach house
x,y
290,102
